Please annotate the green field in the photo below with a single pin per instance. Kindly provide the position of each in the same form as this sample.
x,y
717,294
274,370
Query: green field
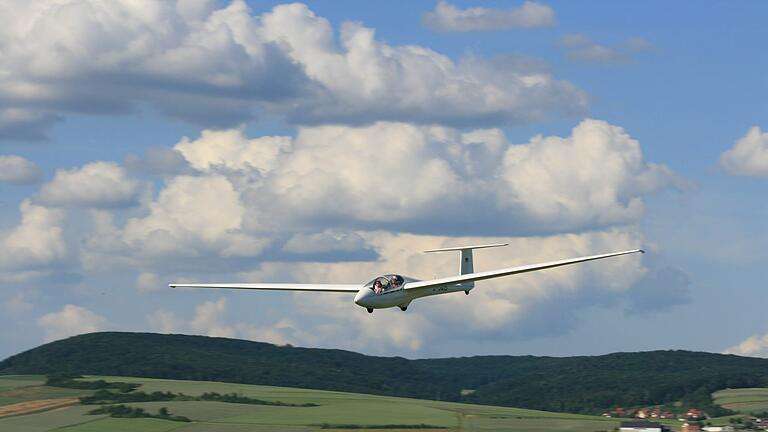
x,y
746,400
336,408
22,388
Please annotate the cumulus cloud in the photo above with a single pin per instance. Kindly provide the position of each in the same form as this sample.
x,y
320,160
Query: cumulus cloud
x,y
231,149
190,212
97,184
36,242
222,66
448,18
753,346
597,174
582,49
163,321
16,169
521,307
210,319
71,320
193,220
148,282
749,156
439,179
250,194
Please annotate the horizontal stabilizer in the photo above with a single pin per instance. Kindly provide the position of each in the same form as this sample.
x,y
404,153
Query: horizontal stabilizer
x,y
458,248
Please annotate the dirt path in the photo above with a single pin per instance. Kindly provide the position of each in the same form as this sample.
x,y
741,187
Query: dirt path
x,y
33,406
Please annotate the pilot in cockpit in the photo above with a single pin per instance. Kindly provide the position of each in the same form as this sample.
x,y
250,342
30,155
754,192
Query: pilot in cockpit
x,y
377,287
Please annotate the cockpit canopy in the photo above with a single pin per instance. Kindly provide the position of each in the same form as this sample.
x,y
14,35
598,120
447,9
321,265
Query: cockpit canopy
x,y
388,282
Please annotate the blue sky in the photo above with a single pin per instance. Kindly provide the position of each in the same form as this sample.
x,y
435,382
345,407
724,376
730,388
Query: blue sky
x,y
334,140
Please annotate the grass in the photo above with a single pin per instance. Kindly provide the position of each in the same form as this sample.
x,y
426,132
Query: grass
x,y
22,388
743,400
336,408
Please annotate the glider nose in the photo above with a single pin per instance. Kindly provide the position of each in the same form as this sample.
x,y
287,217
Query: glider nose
x,y
361,296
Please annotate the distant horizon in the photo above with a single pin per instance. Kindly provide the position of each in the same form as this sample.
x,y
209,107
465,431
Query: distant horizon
x,y
393,356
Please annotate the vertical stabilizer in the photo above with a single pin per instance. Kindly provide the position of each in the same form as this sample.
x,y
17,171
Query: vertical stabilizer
x,y
466,263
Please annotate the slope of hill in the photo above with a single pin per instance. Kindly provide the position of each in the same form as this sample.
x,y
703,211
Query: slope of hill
x,y
330,411
587,384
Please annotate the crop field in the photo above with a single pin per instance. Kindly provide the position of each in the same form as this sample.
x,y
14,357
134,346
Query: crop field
x,y
745,400
335,409
16,389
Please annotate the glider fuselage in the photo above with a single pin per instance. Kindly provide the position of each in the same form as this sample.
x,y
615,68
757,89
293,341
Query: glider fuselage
x,y
393,292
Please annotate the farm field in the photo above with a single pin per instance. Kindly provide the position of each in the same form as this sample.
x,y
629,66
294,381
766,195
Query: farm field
x,y
744,400
336,408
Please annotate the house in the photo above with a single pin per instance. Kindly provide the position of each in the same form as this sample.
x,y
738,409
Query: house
x,y
642,426
690,428
718,429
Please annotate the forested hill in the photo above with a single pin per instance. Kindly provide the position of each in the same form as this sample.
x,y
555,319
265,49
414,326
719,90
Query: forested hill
x,y
587,384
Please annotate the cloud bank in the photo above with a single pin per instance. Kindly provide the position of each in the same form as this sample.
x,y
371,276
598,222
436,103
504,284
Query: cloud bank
x,y
219,67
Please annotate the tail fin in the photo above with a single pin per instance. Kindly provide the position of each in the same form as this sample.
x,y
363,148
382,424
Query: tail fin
x,y
466,263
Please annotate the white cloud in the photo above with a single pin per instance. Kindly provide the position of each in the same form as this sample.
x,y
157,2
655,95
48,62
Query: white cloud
x,y
448,18
749,156
71,320
596,175
36,242
581,49
163,321
385,172
308,202
97,184
149,282
753,346
223,66
208,319
395,172
282,332
230,149
541,303
193,214
16,169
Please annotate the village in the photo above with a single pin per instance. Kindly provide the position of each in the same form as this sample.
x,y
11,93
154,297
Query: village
x,y
693,420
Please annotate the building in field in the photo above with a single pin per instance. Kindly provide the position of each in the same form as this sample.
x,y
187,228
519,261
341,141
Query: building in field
x,y
642,426
718,429
690,428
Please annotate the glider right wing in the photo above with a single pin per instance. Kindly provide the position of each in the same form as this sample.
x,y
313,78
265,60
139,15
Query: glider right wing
x,y
471,277
275,286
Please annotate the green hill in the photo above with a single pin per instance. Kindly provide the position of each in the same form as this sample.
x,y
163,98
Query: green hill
x,y
329,411
586,384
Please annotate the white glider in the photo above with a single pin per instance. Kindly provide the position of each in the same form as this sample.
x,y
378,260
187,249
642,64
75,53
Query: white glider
x,y
392,290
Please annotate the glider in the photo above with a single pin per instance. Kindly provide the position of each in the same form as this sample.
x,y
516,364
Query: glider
x,y
392,290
